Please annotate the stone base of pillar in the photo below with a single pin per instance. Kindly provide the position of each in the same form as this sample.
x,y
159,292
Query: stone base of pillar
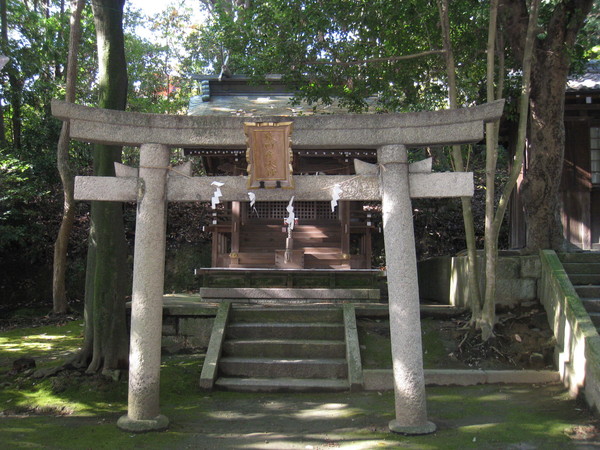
x,y
159,423
427,428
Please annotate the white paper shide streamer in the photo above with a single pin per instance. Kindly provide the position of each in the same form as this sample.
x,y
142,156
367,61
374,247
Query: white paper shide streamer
x,y
335,196
215,198
252,197
291,218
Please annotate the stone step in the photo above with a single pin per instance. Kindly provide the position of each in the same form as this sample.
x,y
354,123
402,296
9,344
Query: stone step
x,y
281,348
591,304
281,384
286,314
274,330
582,267
579,279
592,291
580,257
283,368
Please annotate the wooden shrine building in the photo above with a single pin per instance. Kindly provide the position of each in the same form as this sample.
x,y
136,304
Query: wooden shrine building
x,y
254,236
580,179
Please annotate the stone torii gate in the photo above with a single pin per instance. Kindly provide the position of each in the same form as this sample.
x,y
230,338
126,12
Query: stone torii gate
x,y
154,184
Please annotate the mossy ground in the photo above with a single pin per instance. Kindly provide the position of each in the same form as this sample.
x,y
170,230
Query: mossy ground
x,y
78,411
374,337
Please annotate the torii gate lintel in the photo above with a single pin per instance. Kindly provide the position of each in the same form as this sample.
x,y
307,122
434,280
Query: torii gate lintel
x,y
156,184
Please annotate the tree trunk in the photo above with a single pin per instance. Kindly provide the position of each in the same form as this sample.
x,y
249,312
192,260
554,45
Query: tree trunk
x,y
553,47
540,189
4,38
59,294
14,94
467,210
488,311
106,344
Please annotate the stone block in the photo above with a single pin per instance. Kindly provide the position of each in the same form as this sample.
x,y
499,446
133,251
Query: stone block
x,y
169,327
513,291
197,341
442,377
173,344
378,379
522,376
531,267
198,327
508,267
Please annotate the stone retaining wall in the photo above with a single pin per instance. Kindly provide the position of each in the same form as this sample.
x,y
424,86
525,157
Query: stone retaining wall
x,y
186,323
577,351
444,279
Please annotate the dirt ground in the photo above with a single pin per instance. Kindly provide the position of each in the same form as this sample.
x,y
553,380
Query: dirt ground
x,y
523,340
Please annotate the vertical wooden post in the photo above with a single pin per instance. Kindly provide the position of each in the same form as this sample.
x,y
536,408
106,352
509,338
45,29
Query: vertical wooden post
x,y
214,256
235,227
345,231
368,251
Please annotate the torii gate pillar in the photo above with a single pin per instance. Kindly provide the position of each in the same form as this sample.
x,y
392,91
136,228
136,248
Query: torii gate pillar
x,y
405,322
143,412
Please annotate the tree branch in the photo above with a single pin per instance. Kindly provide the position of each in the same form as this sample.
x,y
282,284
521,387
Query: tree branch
x,y
376,60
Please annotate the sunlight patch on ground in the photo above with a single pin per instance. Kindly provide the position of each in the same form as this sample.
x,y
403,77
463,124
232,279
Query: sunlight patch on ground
x,y
35,342
479,427
326,411
234,415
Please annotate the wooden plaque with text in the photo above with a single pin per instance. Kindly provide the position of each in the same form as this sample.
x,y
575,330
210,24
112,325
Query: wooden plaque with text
x,y
269,155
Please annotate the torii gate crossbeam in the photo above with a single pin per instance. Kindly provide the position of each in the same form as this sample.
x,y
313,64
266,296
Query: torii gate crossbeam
x,y
394,186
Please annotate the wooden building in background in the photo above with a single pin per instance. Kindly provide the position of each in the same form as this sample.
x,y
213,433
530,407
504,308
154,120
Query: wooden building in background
x,y
580,182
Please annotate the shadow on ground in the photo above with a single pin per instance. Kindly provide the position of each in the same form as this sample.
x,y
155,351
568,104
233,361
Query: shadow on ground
x,y
491,417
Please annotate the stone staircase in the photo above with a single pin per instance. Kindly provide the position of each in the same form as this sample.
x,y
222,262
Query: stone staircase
x,y
283,348
584,272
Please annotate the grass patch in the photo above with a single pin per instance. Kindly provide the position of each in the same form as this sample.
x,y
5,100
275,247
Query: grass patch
x,y
375,345
435,352
376,349
49,344
78,411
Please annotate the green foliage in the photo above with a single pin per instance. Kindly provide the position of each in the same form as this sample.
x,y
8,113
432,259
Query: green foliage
x,y
160,70
15,191
588,41
350,50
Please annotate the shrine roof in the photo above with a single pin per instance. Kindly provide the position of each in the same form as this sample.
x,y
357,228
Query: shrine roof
x,y
588,81
236,96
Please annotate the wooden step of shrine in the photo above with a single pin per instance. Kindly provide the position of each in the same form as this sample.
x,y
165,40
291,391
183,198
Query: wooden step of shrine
x,y
278,349
291,295
216,277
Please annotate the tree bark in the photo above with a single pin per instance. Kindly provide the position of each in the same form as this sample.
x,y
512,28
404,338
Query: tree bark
x,y
59,292
488,310
106,344
552,49
14,95
4,38
467,209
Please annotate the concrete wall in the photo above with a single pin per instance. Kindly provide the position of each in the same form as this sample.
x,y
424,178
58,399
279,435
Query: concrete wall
x,y
445,279
577,351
